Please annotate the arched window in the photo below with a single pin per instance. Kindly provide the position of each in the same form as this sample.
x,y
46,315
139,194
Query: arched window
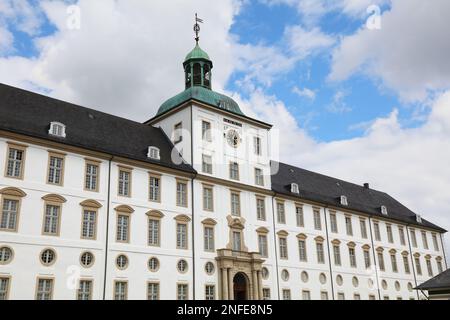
x,y
188,73
206,75
197,74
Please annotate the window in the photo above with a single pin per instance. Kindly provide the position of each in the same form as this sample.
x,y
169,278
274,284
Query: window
x,y
401,233
266,294
208,237
257,146
367,259
394,262
87,259
15,161
333,223
413,238
341,296
429,268
424,240
348,226
44,289
178,133
182,266
182,291
323,295
435,242
439,265
182,194
234,171
182,236
306,295
235,203
120,290
123,227
210,292
384,210
6,255
48,257
122,262
406,264
317,220
286,294
208,199
89,224
153,264
362,224
320,252
376,228
337,255
55,169
153,153
281,217
372,297
418,266
206,131
153,232
262,244
389,233
124,189
206,164
344,201
381,261
91,179
4,288
418,218
265,273
57,129
152,291
352,256
155,188
51,220
260,209
356,296
302,250
283,247
294,188
9,216
237,241
259,178
299,215
385,297
84,290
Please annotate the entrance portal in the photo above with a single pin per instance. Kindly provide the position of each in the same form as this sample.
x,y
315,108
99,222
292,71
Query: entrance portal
x,y
240,284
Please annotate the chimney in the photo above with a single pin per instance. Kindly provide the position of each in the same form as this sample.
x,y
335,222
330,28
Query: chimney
x,y
366,185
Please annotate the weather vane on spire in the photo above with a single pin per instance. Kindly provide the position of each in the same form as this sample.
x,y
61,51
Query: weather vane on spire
x,y
197,27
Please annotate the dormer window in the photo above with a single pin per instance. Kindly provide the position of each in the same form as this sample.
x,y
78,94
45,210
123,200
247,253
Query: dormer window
x,y
294,188
153,153
57,129
418,218
384,210
344,201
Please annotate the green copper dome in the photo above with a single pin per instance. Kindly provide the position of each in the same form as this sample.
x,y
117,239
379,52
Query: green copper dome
x,y
204,95
197,53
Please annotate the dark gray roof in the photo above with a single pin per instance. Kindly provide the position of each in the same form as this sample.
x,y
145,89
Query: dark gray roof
x,y
441,281
328,190
30,114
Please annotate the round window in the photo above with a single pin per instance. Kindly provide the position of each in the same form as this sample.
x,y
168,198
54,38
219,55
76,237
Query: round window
x,y
6,255
48,257
265,273
410,287
87,259
370,283
209,268
355,282
339,280
153,264
397,286
322,278
384,284
182,266
285,275
304,276
122,262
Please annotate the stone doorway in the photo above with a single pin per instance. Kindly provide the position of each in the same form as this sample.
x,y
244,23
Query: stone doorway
x,y
240,286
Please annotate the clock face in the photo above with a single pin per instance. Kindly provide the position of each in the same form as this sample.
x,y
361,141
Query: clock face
x,y
233,138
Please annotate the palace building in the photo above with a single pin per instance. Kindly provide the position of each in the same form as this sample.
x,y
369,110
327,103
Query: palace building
x,y
189,205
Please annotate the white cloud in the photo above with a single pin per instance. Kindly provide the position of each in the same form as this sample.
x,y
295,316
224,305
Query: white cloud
x,y
408,55
304,93
338,105
22,14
